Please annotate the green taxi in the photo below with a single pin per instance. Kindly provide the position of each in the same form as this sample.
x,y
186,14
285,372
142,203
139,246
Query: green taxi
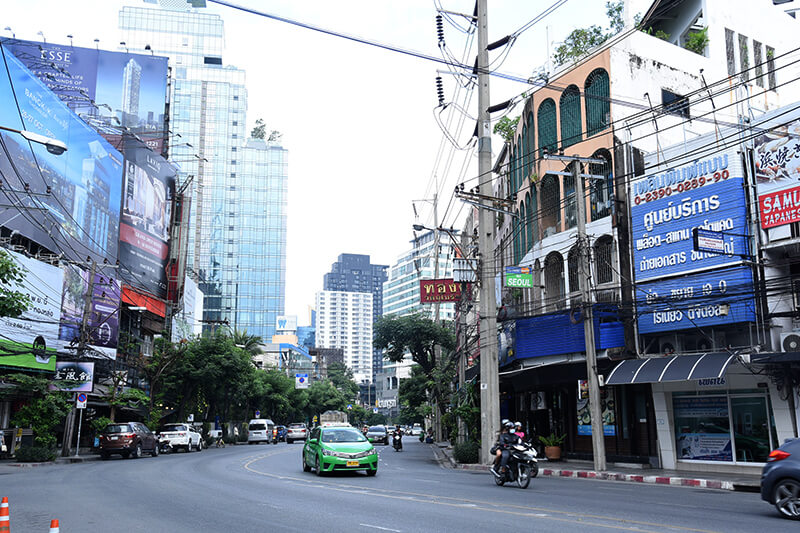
x,y
336,448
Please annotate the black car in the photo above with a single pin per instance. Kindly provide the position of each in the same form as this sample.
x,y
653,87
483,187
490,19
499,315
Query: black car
x,y
780,479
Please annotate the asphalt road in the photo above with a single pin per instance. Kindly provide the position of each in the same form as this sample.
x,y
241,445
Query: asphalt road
x,y
263,488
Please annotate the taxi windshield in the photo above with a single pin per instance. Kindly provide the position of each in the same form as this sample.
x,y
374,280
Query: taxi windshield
x,y
342,435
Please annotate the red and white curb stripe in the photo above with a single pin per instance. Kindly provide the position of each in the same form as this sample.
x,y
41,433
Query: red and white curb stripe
x,y
638,478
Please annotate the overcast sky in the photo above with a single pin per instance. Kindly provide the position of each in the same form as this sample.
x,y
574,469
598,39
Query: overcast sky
x,y
358,121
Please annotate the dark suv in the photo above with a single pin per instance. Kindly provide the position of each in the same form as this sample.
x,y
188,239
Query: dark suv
x,y
129,439
780,479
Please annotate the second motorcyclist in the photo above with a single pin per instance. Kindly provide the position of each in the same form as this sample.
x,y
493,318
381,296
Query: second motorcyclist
x,y
504,442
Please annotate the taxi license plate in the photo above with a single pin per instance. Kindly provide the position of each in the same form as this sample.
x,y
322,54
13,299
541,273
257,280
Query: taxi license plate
x,y
352,463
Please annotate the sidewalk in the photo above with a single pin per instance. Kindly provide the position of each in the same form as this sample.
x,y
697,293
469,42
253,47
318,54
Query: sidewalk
x,y
584,469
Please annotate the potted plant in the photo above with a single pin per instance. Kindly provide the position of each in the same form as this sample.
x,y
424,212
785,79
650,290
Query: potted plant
x,y
552,446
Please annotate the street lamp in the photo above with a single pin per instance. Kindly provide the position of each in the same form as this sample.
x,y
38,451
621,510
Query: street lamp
x,y
54,146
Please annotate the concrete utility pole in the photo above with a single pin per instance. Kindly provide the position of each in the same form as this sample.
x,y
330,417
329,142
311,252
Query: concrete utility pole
x,y
490,381
598,438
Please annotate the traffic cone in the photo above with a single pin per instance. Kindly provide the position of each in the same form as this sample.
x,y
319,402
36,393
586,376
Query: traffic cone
x,y
5,524
54,526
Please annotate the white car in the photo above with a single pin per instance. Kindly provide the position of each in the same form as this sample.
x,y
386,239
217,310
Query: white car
x,y
181,436
296,431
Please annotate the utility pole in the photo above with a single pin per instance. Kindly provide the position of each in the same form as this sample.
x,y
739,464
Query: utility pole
x,y
490,380
598,437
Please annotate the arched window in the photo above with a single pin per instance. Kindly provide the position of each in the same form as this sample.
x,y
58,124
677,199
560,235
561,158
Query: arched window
x,y
598,106
548,133
551,205
573,269
537,282
523,232
533,226
518,164
525,157
570,108
530,146
510,171
602,191
570,207
554,280
515,237
603,259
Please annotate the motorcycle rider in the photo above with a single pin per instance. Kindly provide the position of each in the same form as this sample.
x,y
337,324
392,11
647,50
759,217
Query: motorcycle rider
x,y
397,439
506,439
518,431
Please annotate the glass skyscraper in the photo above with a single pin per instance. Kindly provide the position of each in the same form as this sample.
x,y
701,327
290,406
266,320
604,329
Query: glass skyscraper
x,y
237,242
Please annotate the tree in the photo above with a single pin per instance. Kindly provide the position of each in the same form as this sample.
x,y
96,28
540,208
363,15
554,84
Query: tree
x,y
413,397
260,131
506,128
420,337
12,302
581,40
323,396
342,378
247,342
43,412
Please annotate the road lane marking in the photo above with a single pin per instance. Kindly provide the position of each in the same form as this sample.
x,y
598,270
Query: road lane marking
x,y
503,508
381,528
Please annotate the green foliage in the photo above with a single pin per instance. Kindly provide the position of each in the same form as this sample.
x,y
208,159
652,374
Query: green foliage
x,y
247,342
43,412
506,128
467,452
581,40
552,439
696,41
659,34
376,419
12,303
35,454
413,397
260,130
342,379
100,423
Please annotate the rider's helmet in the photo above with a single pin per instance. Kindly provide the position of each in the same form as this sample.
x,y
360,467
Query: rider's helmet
x,y
504,421
518,424
509,424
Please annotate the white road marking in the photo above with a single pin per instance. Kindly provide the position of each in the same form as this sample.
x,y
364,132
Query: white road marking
x,y
381,528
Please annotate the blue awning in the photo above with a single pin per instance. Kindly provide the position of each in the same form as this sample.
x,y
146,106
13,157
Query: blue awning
x,y
674,368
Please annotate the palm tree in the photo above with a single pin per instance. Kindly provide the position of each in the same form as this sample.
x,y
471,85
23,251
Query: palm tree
x,y
247,342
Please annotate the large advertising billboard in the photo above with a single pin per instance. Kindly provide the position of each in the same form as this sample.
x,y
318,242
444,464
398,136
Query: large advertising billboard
x,y
103,321
31,340
777,161
111,90
147,197
69,202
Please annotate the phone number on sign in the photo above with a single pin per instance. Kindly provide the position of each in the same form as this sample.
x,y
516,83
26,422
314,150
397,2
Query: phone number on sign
x,y
687,185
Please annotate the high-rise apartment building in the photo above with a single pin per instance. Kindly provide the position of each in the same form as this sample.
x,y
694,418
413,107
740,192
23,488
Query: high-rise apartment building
x,y
344,320
131,82
355,273
401,291
236,252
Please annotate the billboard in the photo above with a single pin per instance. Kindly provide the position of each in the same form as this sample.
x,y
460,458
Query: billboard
x,y
67,203
103,321
777,159
667,206
31,340
111,90
186,323
147,194
439,290
75,376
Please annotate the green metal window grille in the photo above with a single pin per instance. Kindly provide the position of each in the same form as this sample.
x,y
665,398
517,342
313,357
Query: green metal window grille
x,y
570,109
515,235
598,107
523,232
602,192
548,133
533,224
554,279
519,163
510,172
530,146
525,156
570,206
573,269
551,205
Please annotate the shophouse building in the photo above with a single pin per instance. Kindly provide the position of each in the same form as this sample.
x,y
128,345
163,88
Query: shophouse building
x,y
633,96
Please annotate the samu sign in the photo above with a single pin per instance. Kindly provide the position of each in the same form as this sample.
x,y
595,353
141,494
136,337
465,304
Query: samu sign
x,y
519,281
439,290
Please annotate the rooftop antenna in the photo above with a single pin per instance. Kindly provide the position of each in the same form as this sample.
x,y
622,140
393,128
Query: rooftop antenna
x,y
43,39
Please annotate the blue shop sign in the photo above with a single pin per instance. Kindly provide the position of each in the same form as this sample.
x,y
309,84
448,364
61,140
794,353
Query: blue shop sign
x,y
722,296
665,208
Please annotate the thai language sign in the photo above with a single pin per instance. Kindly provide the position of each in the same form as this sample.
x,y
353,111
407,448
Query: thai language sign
x,y
666,207
438,291
705,299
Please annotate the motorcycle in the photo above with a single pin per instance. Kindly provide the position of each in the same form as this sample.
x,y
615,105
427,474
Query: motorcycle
x,y
523,465
397,442
163,445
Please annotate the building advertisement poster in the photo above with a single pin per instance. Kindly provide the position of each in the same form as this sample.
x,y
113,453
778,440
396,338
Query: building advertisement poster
x,y
74,376
31,340
702,428
68,203
147,196
722,296
103,322
111,90
666,207
607,408
777,160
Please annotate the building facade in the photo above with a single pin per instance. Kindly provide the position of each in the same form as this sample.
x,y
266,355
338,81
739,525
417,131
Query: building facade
x,y
237,259
355,273
344,320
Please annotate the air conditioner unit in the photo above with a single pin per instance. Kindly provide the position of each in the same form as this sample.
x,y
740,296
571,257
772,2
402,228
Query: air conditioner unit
x,y
669,345
790,342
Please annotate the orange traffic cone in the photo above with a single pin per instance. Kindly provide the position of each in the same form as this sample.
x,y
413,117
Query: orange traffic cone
x,y
54,526
5,525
